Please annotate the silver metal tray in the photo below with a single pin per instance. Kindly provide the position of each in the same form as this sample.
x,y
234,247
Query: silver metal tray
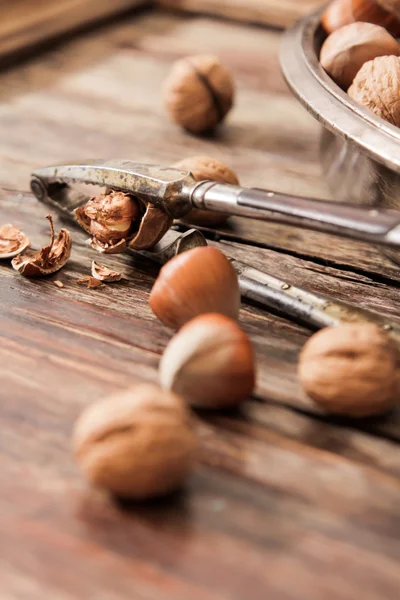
x,y
360,153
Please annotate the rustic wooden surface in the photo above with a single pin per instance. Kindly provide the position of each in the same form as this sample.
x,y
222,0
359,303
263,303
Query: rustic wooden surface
x,y
278,13
25,23
285,504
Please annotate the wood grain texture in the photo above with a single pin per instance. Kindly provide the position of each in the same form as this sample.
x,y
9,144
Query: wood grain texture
x,y
278,13
285,503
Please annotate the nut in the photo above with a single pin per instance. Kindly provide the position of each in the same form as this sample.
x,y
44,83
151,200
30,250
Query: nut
x,y
49,259
351,370
344,12
377,87
13,241
210,363
198,93
137,444
197,281
204,168
347,49
117,221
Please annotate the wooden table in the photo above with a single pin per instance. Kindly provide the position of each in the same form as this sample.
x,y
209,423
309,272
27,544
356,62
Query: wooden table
x,y
285,504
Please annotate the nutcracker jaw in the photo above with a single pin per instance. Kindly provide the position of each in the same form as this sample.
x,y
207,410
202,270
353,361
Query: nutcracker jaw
x,y
174,243
166,188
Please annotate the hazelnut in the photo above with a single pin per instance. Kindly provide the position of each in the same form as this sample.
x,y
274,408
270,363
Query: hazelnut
x,y
351,370
347,49
198,93
204,168
198,281
210,363
379,12
377,87
137,444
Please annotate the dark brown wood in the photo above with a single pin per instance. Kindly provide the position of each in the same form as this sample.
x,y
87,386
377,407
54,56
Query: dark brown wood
x,y
28,23
285,503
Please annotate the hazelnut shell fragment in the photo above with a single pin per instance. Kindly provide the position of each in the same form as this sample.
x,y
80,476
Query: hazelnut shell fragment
x,y
137,444
210,363
198,93
346,50
103,273
198,281
377,87
352,370
204,168
90,282
13,241
49,259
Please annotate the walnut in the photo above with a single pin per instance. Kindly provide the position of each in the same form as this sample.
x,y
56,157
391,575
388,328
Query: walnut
x,y
351,370
204,168
13,241
47,260
117,221
137,444
346,50
377,87
198,93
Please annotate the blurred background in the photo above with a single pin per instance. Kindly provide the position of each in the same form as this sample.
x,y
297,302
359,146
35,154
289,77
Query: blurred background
x,y
83,78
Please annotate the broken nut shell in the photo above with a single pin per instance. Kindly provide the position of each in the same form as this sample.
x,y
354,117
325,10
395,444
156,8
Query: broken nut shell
x,y
117,221
47,260
103,273
13,241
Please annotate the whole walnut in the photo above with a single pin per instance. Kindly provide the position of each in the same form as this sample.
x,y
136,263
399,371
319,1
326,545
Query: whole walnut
x,y
198,93
377,87
137,444
351,370
346,50
204,168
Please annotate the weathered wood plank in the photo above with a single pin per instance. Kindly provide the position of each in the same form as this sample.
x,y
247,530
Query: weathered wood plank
x,y
25,23
287,504
277,341
318,247
47,116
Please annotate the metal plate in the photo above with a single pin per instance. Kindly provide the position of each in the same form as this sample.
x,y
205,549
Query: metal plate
x,y
360,153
